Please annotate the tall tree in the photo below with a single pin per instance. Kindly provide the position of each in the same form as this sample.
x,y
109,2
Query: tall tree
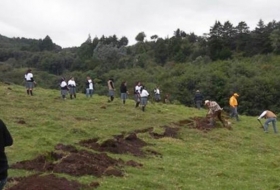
x,y
140,37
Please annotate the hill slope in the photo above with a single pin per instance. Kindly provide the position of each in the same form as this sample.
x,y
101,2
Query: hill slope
x,y
242,158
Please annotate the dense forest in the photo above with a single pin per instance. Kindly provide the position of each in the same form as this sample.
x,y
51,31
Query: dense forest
x,y
227,59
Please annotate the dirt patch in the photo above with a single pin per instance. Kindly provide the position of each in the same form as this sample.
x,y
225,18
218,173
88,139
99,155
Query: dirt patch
x,y
202,123
119,145
75,164
168,132
46,182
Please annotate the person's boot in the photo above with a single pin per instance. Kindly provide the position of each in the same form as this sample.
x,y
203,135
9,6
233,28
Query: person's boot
x,y
27,91
71,96
31,93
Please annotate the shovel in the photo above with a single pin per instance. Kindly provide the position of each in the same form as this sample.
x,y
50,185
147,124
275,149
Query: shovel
x,y
261,124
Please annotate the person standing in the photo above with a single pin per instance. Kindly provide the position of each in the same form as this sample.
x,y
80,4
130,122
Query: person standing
x,y
89,87
157,94
198,98
5,140
72,87
111,90
29,82
214,111
270,118
233,106
63,88
137,89
124,91
144,97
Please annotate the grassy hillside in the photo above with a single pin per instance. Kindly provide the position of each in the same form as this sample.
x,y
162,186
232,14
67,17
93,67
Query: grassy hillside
x,y
242,158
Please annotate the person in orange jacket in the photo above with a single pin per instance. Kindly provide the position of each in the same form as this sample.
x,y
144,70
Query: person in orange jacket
x,y
233,106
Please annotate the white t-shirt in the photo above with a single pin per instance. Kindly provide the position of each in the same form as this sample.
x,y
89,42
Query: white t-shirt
x,y
63,84
71,83
137,89
90,86
28,76
144,93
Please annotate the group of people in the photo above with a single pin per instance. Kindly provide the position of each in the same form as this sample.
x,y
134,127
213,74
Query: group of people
x,y
140,93
216,111
70,87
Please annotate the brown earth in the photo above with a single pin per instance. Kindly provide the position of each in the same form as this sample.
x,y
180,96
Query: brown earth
x,y
69,160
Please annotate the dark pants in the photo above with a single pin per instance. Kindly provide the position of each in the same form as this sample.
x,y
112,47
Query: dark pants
x,y
217,114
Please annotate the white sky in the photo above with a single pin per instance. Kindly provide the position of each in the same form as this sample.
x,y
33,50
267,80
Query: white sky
x,y
69,22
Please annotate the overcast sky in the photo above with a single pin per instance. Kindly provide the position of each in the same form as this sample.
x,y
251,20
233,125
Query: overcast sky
x,y
69,22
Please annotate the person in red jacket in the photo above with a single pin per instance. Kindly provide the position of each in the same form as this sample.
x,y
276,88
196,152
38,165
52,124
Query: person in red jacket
x,y
5,140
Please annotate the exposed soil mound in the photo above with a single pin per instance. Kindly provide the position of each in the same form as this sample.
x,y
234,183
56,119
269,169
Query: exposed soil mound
x,y
75,164
202,123
46,182
119,145
168,132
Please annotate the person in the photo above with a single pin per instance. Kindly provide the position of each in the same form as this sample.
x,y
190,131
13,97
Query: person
x,y
137,89
198,98
214,111
63,88
89,87
144,94
5,140
72,87
157,94
270,118
233,106
124,91
111,89
29,82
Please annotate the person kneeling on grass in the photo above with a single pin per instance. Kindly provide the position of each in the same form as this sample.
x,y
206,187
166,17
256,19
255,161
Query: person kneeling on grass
x,y
270,117
144,97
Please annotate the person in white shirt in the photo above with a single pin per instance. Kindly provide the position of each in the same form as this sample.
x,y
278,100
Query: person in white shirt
x,y
89,87
137,89
29,82
144,94
270,117
63,88
157,94
72,87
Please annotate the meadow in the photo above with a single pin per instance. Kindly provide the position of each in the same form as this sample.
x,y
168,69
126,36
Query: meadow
x,y
242,158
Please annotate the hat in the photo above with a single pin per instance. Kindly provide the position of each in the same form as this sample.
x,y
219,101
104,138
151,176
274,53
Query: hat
x,y
206,102
197,90
235,94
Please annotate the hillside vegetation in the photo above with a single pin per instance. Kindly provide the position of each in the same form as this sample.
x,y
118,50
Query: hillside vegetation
x,y
225,60
242,158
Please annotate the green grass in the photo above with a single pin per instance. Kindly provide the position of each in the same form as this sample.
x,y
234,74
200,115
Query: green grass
x,y
243,158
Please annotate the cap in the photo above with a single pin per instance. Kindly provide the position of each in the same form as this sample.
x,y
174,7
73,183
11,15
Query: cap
x,y
206,102
197,90
235,94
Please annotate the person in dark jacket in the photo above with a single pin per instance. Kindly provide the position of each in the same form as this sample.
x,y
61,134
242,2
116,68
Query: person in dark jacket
x,y
124,91
5,140
198,99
